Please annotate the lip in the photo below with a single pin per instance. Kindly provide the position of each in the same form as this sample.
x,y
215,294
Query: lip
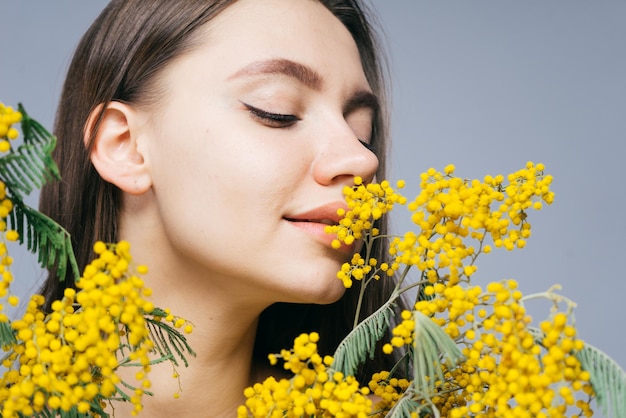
x,y
315,221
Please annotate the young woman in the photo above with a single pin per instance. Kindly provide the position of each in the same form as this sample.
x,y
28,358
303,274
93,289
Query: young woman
x,y
216,137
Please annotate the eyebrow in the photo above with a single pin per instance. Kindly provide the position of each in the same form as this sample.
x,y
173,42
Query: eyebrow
x,y
303,73
308,77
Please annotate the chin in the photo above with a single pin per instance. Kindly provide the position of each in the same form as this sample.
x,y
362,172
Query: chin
x,y
324,295
310,282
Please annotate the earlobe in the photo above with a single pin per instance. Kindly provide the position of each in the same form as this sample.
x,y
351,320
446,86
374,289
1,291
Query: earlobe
x,y
116,151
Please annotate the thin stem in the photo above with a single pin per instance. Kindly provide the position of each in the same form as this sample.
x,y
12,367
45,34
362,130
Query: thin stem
x,y
405,273
368,252
411,286
551,295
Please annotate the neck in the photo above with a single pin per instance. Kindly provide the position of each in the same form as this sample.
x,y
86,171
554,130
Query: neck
x,y
225,322
213,383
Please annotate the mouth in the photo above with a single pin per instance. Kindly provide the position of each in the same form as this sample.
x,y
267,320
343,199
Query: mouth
x,y
314,222
329,222
316,228
325,214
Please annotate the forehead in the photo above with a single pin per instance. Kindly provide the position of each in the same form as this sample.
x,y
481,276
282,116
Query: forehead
x,y
303,31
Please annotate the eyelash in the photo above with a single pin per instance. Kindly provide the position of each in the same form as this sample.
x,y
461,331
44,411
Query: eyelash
x,y
272,120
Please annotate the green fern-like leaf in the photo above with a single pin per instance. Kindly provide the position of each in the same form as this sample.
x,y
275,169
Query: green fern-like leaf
x,y
23,170
432,347
43,236
607,378
361,341
168,342
7,337
30,166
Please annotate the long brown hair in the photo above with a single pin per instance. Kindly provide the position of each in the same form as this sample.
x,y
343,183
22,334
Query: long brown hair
x,y
119,58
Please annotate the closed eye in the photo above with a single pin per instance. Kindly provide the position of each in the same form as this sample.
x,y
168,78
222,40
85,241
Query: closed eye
x,y
272,120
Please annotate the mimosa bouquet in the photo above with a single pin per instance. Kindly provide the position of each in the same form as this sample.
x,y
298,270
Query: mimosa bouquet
x,y
467,351
464,350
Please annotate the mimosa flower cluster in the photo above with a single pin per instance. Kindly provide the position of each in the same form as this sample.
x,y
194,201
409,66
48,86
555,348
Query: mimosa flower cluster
x,y
480,356
315,390
68,361
388,390
366,204
6,277
8,118
450,211
507,369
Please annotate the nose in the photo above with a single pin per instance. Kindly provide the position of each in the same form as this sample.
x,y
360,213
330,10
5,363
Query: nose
x,y
341,156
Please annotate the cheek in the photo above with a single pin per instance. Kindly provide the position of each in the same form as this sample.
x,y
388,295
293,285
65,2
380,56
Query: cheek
x,y
224,174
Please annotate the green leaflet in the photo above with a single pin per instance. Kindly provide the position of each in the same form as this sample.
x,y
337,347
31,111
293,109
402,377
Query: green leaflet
x,y
168,341
30,166
7,337
23,170
361,341
432,347
607,378
43,237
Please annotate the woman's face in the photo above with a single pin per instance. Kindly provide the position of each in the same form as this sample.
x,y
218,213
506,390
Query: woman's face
x,y
258,130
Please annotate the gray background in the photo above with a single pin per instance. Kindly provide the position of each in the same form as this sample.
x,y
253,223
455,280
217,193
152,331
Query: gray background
x,y
484,84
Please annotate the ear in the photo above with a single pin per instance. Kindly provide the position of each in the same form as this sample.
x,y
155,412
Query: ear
x,y
116,152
